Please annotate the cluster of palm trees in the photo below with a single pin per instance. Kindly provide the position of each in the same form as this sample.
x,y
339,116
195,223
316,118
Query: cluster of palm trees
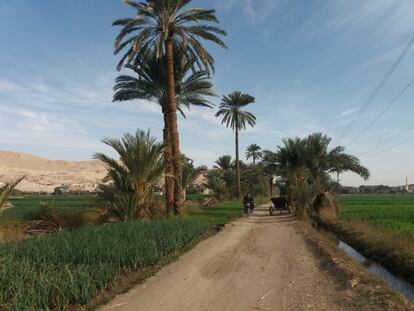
x,y
222,179
162,45
304,167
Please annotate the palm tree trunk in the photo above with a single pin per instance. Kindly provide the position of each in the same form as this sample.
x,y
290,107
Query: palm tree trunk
x,y
237,160
169,167
172,120
270,186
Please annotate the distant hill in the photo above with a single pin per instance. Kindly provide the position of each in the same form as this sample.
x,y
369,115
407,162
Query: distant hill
x,y
44,175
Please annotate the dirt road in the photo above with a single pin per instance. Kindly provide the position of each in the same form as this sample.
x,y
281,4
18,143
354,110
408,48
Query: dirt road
x,y
260,263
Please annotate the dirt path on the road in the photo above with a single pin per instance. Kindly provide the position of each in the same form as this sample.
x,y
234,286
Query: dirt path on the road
x,y
260,263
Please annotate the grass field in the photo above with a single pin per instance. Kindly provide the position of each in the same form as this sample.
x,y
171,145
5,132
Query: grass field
x,y
381,227
395,212
71,267
27,207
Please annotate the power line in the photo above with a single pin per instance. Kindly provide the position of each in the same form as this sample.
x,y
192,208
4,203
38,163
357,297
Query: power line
x,y
392,147
374,94
382,112
388,140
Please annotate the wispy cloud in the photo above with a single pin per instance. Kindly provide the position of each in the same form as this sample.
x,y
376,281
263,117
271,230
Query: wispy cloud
x,y
345,113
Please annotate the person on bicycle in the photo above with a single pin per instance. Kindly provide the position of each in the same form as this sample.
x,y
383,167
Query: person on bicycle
x,y
248,198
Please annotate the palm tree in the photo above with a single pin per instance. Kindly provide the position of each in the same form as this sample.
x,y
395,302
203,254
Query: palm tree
x,y
234,117
270,168
304,167
150,84
224,162
190,173
159,26
134,177
254,152
5,192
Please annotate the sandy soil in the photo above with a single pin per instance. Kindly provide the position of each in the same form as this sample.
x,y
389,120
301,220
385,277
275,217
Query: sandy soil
x,y
261,263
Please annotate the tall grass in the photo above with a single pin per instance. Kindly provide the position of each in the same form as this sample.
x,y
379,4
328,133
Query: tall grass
x,y
73,266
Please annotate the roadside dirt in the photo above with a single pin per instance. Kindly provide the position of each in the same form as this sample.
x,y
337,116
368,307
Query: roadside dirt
x,y
260,263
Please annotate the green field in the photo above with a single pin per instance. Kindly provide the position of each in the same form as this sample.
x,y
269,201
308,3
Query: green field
x,y
71,267
395,212
27,207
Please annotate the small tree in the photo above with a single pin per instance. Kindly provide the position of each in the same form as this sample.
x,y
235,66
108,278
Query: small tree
x,y
128,189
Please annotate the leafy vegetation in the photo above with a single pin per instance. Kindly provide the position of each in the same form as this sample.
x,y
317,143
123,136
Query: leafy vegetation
x,y
254,152
304,167
133,178
28,207
150,84
379,226
5,192
72,266
235,118
165,28
221,180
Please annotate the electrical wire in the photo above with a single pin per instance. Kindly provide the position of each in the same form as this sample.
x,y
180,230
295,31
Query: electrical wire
x,y
374,94
388,140
392,147
382,112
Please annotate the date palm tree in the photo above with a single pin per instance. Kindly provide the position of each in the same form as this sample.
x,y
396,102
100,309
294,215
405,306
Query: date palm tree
x,y
5,192
159,26
134,177
253,152
150,84
304,167
234,117
190,173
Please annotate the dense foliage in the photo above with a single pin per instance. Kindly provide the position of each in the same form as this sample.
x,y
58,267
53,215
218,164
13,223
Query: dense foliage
x,y
221,180
128,191
304,168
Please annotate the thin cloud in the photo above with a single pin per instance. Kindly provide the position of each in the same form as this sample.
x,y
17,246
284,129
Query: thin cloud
x,y
346,113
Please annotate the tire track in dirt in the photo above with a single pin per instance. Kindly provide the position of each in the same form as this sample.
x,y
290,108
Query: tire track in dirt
x,y
260,263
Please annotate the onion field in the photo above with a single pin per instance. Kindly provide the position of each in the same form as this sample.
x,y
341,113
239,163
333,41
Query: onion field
x,y
395,212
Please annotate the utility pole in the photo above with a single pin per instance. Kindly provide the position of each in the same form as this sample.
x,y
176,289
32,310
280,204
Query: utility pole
x,y
406,183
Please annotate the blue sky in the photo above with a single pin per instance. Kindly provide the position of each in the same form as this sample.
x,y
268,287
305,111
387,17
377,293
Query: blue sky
x,y
310,65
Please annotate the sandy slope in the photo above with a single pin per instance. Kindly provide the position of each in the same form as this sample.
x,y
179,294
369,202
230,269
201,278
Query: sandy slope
x,y
261,263
44,174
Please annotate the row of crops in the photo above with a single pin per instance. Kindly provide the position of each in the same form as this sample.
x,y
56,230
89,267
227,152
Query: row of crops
x,y
71,267
391,212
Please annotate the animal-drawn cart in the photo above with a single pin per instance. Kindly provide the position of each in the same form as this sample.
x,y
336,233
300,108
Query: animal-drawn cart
x,y
279,204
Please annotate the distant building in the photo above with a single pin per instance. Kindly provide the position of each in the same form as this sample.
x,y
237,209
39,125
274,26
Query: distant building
x,y
62,190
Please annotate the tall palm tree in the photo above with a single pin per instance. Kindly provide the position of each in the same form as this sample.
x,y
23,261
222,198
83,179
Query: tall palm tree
x,y
159,26
150,84
254,152
233,116
133,177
